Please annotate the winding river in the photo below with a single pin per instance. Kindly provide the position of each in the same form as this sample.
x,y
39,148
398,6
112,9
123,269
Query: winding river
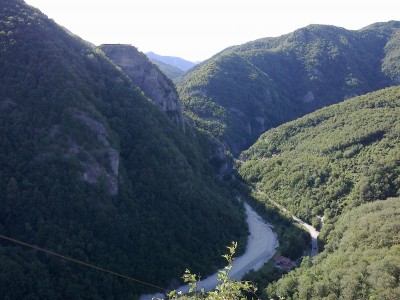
x,y
261,246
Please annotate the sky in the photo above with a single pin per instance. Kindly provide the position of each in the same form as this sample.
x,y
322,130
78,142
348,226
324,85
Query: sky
x,y
197,29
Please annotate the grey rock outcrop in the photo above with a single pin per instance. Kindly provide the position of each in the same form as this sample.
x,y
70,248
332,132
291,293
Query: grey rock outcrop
x,y
100,162
148,77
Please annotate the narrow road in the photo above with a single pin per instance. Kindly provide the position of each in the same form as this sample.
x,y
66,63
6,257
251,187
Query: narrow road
x,y
314,235
261,246
313,232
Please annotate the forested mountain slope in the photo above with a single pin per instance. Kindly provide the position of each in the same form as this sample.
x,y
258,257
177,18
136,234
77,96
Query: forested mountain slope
x,y
329,164
361,259
91,169
333,159
244,90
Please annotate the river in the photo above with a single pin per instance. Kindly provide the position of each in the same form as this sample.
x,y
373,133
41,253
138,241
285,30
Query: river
x,y
261,246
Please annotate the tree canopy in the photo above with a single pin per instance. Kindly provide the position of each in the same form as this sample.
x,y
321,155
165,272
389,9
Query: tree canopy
x,y
333,159
91,169
245,90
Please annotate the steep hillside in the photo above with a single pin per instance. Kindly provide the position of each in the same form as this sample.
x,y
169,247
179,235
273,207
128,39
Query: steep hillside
x,y
333,159
361,259
148,78
174,61
244,90
90,168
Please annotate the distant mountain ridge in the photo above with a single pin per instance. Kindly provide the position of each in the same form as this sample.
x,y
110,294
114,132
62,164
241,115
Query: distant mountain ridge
x,y
244,90
174,61
171,71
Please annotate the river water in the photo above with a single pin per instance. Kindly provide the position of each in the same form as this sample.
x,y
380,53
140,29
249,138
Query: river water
x,y
261,246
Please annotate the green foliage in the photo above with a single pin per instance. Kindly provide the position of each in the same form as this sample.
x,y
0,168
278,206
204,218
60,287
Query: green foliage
x,y
327,163
244,90
333,159
221,104
361,259
72,129
227,289
391,62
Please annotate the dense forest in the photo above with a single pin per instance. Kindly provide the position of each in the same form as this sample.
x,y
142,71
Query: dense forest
x,y
361,259
331,160
323,167
241,92
91,169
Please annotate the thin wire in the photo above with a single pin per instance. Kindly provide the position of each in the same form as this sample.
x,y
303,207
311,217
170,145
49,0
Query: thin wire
x,y
80,262
254,293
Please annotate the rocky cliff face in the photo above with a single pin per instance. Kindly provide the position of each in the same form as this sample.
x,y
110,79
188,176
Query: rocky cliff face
x,y
102,162
144,74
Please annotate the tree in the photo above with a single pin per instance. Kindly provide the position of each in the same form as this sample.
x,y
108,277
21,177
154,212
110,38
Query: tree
x,y
227,289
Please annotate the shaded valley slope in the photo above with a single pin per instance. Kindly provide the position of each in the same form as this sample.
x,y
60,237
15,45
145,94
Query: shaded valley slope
x,y
92,169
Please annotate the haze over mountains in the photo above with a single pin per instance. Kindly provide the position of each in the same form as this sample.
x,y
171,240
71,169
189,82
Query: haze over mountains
x,y
173,67
176,62
103,159
171,71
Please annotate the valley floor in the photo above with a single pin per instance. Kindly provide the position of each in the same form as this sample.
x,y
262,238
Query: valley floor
x,y
261,246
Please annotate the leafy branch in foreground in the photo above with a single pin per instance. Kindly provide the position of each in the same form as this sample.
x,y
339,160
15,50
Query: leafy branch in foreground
x,y
227,289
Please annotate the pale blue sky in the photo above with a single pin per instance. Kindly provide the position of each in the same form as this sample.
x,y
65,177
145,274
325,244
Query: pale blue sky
x,y
197,29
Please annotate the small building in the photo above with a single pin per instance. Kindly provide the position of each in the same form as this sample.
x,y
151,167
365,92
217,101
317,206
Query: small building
x,y
283,262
